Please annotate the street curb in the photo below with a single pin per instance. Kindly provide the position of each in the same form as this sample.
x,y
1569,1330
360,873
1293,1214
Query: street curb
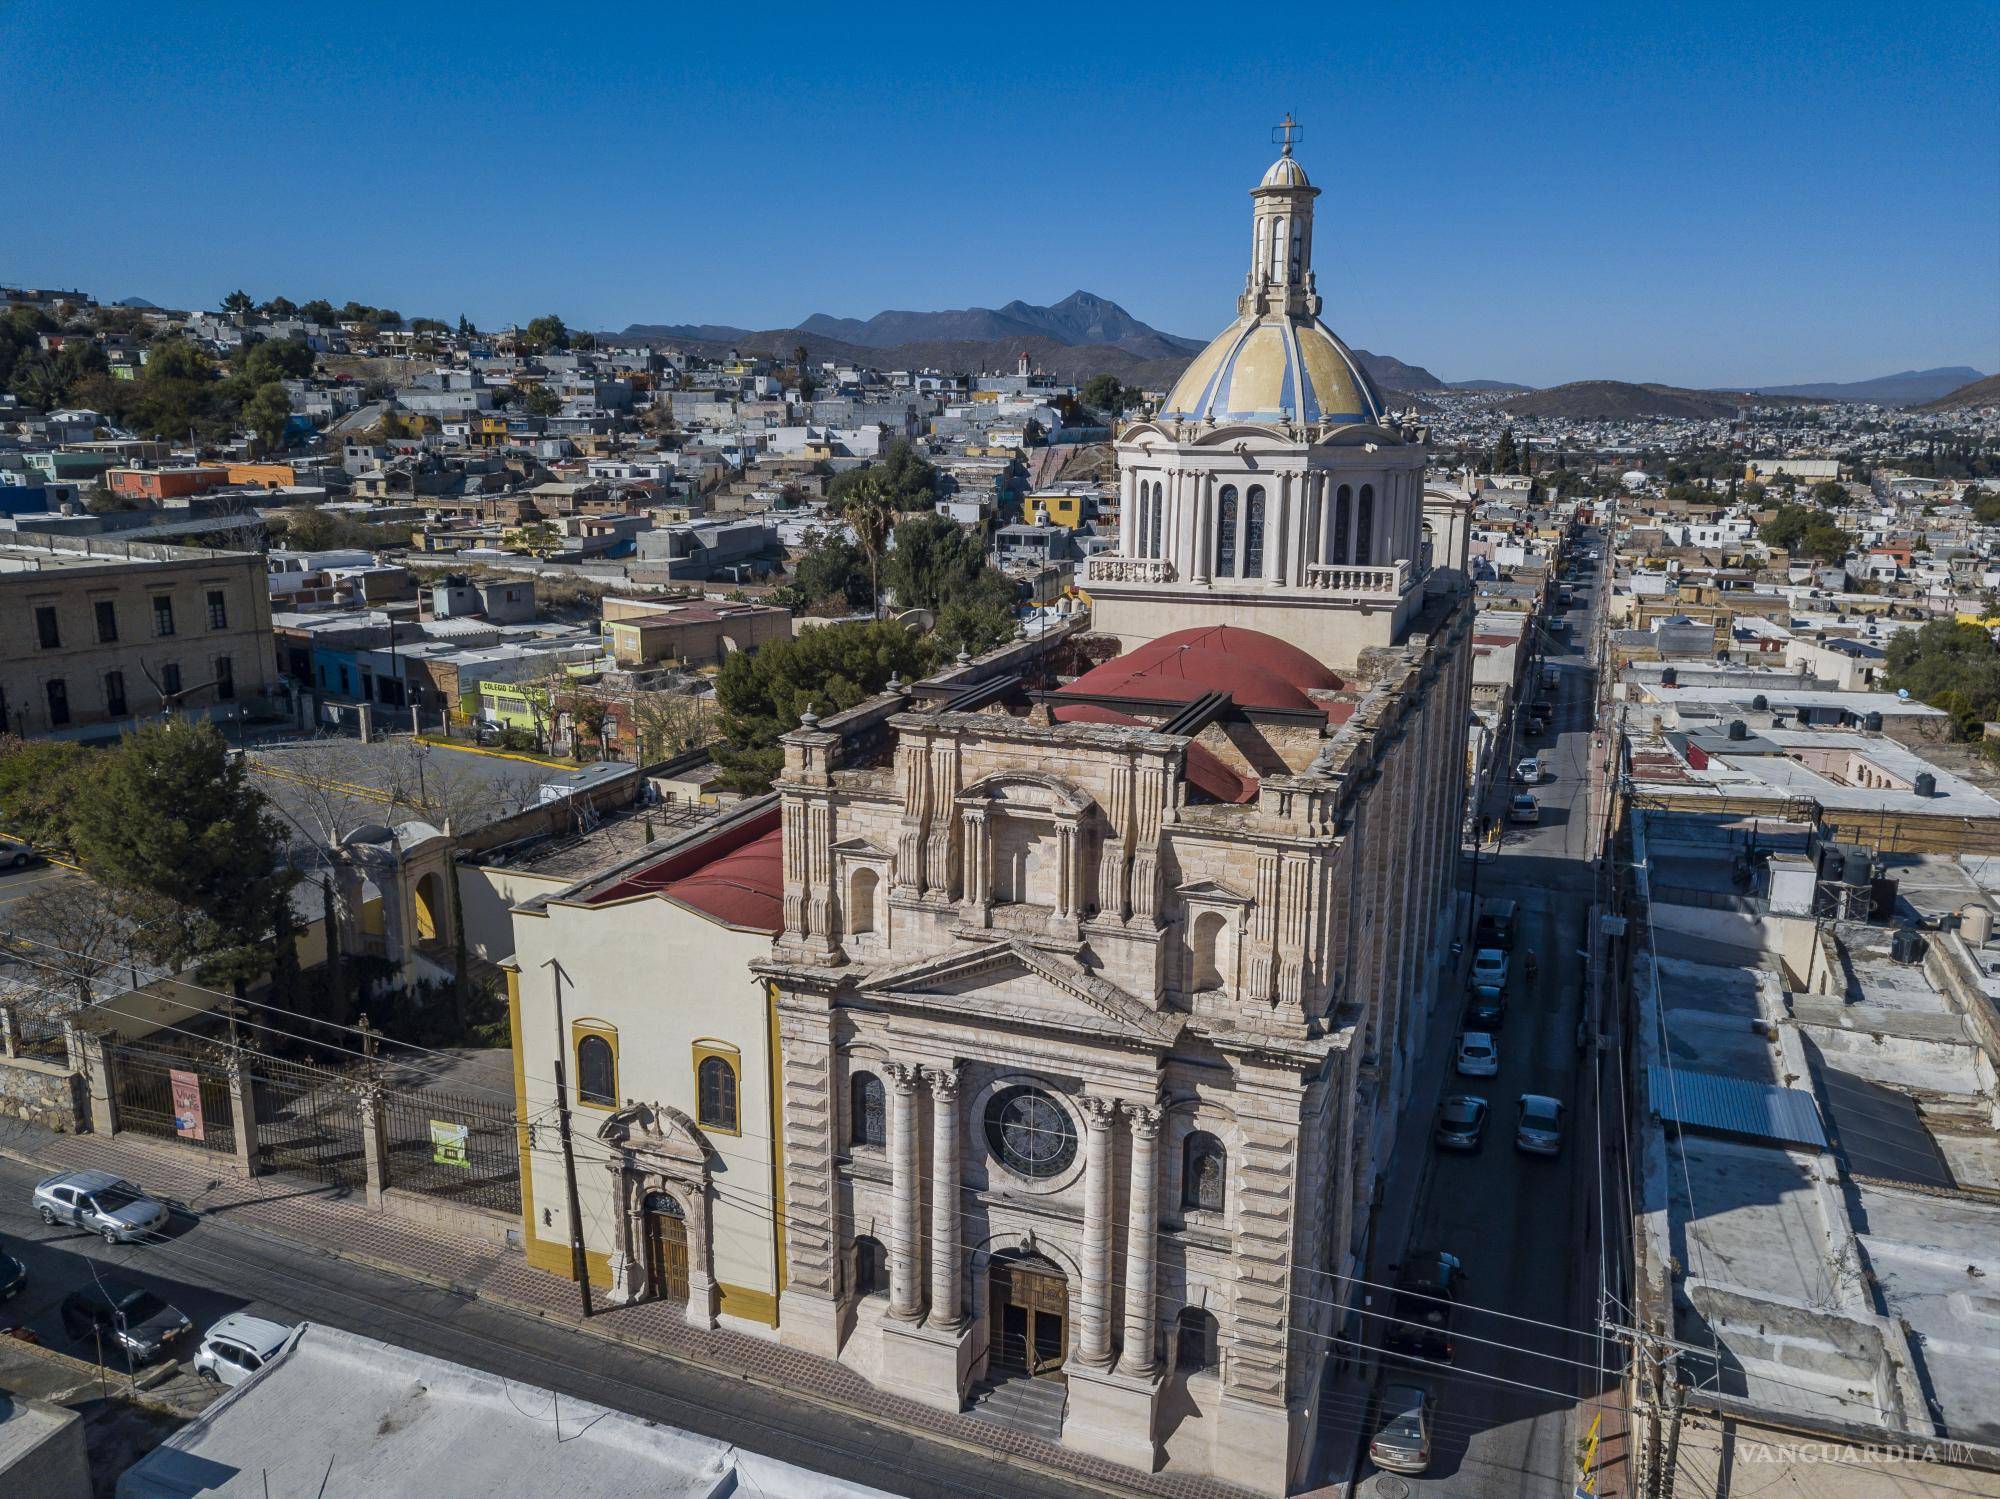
x,y
519,1308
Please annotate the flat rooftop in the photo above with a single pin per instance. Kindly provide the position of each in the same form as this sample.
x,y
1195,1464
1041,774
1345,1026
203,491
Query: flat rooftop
x,y
621,834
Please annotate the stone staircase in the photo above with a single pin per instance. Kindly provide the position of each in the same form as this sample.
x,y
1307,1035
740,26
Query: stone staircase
x,y
1032,1406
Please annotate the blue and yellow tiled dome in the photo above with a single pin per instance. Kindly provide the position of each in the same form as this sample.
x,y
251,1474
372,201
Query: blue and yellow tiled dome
x,y
1275,369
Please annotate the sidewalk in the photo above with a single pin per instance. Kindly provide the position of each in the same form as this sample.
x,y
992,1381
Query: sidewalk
x,y
1343,1436
329,1223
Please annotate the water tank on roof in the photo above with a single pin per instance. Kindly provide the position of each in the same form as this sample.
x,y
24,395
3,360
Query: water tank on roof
x,y
1926,784
1669,677
1760,702
1872,723
1976,922
1854,869
1907,946
1738,729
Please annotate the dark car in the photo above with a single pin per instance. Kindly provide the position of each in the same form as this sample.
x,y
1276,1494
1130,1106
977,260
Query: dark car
x,y
1485,1008
123,1316
1461,1122
13,1275
1420,1311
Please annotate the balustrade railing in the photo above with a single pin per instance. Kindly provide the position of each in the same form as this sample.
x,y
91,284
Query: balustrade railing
x,y
1130,570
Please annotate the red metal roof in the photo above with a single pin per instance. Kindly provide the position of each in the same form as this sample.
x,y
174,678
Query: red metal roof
x,y
736,877
1255,669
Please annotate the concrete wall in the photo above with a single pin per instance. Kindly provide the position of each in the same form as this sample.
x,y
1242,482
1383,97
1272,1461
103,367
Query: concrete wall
x,y
42,1450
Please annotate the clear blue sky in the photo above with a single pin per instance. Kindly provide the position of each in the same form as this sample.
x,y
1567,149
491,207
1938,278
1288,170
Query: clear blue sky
x,y
1707,195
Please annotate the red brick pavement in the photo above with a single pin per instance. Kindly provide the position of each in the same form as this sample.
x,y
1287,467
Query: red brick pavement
x,y
342,1225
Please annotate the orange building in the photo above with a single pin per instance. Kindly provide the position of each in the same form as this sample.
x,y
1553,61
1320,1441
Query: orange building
x,y
263,475
162,483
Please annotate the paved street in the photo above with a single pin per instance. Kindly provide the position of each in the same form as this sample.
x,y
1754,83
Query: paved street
x,y
1518,1221
212,1266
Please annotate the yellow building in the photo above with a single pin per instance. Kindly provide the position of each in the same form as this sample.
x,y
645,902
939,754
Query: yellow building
x,y
1058,507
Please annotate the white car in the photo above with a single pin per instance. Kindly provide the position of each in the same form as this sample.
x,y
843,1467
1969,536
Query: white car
x,y
1529,771
1489,969
237,1347
1524,808
1478,1055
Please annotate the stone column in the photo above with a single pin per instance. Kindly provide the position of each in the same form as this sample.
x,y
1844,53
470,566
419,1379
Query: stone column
x,y
374,1143
1141,1242
1126,486
977,883
946,1295
905,1290
1094,1346
1204,529
243,1121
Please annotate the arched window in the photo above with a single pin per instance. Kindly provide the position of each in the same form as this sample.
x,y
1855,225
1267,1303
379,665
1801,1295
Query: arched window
x,y
1202,1164
1253,533
1225,532
1159,520
715,1088
1140,521
596,1072
871,1267
861,886
1343,502
1205,951
867,1106
1194,1340
1364,525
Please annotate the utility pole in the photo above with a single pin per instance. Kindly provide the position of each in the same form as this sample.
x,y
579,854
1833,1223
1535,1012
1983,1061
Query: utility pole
x,y
1676,1395
579,1266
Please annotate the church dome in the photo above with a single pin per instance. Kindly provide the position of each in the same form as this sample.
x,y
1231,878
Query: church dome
x,y
1285,172
1275,368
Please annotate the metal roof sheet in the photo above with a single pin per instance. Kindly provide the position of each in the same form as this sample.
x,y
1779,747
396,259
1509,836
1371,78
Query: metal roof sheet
x,y
1732,1106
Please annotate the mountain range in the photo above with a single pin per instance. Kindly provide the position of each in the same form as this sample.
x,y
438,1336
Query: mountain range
x,y
1976,394
1905,388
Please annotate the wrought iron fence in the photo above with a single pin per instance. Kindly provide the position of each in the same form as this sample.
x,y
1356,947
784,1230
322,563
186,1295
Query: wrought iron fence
x,y
173,1093
39,1036
454,1146
308,1121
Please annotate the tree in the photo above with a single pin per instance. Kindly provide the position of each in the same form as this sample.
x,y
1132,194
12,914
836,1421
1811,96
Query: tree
x,y
280,307
936,563
583,341
1506,453
905,477
1103,393
1806,531
667,724
72,933
268,414
589,717
318,311
189,849
544,333
238,303
465,328
866,509
1952,666
1985,506
42,782
1830,493
831,668
831,576
539,400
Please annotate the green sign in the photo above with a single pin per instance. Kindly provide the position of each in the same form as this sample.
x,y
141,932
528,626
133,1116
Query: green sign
x,y
448,1144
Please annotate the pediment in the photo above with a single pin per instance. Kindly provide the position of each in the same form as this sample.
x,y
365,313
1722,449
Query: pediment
x,y
1010,983
1212,891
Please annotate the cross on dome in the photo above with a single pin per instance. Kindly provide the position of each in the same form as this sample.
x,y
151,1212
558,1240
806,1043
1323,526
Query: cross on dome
x,y
1287,131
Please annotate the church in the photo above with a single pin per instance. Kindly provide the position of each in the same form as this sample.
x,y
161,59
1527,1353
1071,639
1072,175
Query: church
x,y
1103,957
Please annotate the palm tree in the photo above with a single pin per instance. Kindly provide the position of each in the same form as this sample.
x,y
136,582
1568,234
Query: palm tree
x,y
866,511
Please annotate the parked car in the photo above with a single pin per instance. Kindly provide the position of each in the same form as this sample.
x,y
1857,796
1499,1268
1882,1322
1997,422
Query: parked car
x,y
13,1275
14,854
1540,1128
1402,1442
1461,1122
1489,968
1486,1008
100,1203
1524,808
1529,771
237,1347
1420,1312
1496,923
123,1316
1478,1055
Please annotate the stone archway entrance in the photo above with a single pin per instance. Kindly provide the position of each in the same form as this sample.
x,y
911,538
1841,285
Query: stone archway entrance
x,y
666,1247
1028,1311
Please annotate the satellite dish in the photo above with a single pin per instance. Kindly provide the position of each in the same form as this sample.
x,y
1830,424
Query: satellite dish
x,y
1902,694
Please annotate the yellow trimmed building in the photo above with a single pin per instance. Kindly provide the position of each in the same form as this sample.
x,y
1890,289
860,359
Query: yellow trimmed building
x,y
636,980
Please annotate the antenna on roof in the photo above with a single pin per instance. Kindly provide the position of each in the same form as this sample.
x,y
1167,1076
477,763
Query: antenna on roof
x,y
1287,132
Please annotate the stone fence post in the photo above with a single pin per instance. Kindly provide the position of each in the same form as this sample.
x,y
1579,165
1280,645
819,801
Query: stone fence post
x,y
6,1030
89,1055
374,1142
243,1114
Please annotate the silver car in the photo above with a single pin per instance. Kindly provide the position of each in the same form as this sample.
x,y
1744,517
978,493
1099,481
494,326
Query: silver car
x,y
1402,1443
100,1203
1540,1129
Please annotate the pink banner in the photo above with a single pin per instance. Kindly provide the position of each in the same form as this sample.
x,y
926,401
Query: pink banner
x,y
187,1104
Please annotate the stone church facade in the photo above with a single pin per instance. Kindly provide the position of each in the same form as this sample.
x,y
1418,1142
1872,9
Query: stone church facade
x,y
1104,957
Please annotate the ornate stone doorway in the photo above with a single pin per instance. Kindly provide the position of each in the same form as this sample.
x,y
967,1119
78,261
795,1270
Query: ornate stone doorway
x,y
666,1247
1028,1315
